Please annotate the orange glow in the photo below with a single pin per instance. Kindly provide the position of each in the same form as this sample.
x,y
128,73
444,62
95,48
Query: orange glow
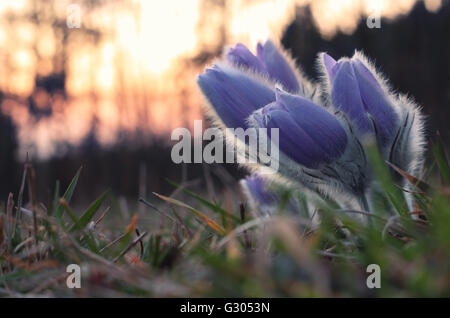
x,y
433,5
46,45
332,13
253,21
130,65
167,31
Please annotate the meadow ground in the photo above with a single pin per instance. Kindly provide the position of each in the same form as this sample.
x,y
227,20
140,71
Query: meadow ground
x,y
188,246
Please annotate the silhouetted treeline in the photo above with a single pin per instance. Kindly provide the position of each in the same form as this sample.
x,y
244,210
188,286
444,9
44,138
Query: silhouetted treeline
x,y
413,51
8,147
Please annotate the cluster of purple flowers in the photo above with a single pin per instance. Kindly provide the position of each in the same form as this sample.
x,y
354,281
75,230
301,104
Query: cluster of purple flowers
x,y
323,126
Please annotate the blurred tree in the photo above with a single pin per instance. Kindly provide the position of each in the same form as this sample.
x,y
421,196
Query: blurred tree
x,y
37,17
413,50
8,146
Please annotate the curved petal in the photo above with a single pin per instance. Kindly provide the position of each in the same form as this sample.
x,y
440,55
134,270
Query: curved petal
x,y
376,102
233,94
329,63
346,96
240,55
277,66
257,187
294,141
356,91
320,125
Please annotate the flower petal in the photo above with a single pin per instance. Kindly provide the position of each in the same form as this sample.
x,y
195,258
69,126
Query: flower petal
x,y
357,92
277,66
319,124
376,102
329,63
233,94
293,140
346,96
258,189
240,55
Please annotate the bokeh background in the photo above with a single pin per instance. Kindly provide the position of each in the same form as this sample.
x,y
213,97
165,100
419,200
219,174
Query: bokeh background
x,y
107,95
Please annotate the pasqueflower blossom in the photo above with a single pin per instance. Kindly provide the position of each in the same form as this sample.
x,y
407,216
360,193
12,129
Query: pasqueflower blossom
x,y
324,126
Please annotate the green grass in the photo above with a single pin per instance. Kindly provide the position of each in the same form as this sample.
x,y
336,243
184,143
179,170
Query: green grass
x,y
187,245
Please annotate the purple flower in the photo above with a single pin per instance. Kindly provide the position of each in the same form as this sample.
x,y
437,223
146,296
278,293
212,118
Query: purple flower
x,y
258,190
308,134
240,55
269,61
267,199
233,94
356,92
321,126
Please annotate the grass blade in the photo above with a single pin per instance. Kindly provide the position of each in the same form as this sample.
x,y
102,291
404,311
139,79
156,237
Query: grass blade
x,y
67,195
381,170
214,207
416,182
442,160
87,216
212,224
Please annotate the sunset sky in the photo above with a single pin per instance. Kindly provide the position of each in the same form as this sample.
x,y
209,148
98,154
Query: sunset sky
x,y
130,65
